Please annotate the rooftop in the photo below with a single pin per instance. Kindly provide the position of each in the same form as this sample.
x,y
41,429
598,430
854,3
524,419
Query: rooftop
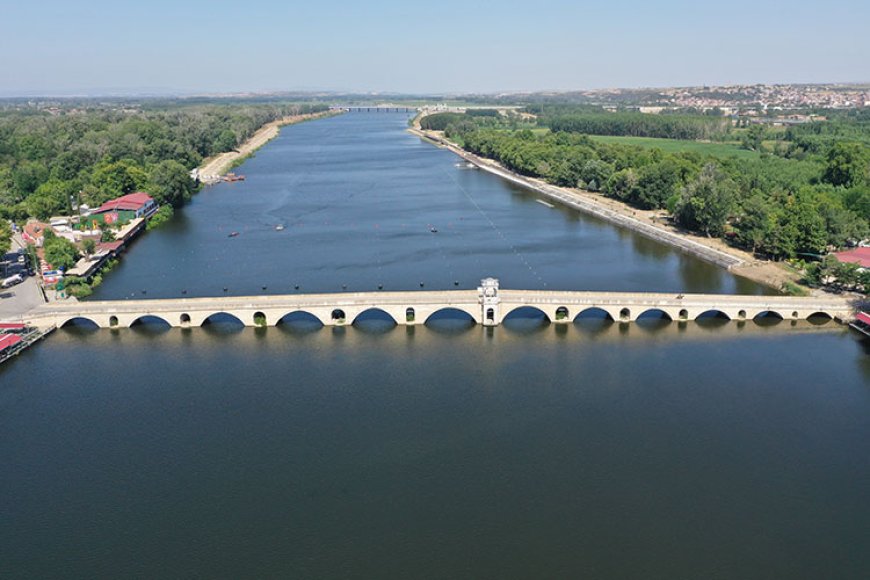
x,y
131,202
860,256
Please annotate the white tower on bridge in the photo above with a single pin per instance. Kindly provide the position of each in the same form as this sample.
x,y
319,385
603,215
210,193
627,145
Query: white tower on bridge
x,y
487,294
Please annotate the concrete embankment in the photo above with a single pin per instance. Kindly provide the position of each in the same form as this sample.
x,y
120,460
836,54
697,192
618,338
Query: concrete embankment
x,y
591,206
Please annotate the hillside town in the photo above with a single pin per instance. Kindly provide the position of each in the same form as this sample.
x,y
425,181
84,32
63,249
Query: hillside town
x,y
754,100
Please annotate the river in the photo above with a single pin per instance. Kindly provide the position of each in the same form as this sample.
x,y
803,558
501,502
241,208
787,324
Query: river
x,y
655,450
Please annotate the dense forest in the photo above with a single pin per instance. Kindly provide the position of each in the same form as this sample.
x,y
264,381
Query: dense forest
x,y
87,155
810,197
638,125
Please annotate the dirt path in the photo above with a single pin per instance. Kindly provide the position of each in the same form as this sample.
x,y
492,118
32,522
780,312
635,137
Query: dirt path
x,y
213,168
651,223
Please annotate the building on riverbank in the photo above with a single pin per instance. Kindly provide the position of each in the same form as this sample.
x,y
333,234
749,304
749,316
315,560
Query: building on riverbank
x,y
125,208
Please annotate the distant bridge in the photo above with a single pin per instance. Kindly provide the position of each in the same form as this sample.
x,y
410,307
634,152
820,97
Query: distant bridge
x,y
374,108
488,305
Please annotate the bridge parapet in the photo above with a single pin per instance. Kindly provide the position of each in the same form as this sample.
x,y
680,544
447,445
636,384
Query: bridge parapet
x,y
488,305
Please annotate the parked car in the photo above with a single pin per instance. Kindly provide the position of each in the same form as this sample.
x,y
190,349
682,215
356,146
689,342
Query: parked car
x,y
12,280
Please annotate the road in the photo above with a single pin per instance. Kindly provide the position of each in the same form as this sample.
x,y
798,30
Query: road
x,y
21,298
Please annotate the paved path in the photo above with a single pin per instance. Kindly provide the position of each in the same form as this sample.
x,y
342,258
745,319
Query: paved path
x,y
21,298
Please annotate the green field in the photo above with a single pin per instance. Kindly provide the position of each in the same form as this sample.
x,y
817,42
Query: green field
x,y
676,146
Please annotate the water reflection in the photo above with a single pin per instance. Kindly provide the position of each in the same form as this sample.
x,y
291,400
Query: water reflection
x,y
450,322
292,439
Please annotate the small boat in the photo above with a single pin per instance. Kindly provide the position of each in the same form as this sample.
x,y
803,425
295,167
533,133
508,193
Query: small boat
x,y
279,228
433,229
470,166
232,234
542,202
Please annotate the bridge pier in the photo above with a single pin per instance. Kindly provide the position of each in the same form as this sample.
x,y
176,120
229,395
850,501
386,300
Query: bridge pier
x,y
487,294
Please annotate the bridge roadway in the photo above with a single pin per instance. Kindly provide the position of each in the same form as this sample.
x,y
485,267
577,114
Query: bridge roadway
x,y
486,305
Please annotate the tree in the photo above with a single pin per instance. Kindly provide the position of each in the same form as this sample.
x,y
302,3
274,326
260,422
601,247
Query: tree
x,y
753,137
60,252
656,183
88,246
622,184
756,222
226,141
595,174
170,183
857,199
8,194
50,198
118,178
848,164
5,236
707,201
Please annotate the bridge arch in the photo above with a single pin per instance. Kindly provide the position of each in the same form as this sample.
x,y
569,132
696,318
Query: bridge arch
x,y
221,317
300,318
655,314
819,317
771,314
450,313
113,321
184,319
563,314
374,314
526,312
80,322
713,313
768,318
594,313
148,319
259,319
625,315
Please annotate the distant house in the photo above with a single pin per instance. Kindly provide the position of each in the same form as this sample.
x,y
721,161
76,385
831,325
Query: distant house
x,y
126,208
860,256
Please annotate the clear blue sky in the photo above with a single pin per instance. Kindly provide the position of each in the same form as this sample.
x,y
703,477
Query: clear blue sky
x,y
63,47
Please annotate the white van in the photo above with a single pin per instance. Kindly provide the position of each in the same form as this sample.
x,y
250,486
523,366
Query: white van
x,y
13,280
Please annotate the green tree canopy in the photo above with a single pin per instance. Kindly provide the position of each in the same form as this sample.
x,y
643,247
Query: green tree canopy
x,y
60,252
5,236
170,183
706,202
848,164
116,178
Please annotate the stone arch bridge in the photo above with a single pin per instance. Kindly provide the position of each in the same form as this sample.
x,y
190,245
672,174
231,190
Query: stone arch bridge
x,y
488,305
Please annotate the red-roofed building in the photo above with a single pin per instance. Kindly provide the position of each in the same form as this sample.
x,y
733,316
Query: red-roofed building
x,y
860,256
862,323
125,208
8,341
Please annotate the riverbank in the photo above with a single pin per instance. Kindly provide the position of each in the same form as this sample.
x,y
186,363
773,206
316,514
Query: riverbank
x,y
213,168
654,224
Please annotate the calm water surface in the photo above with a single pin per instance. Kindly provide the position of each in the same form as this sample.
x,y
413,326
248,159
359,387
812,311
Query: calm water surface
x,y
358,197
655,450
